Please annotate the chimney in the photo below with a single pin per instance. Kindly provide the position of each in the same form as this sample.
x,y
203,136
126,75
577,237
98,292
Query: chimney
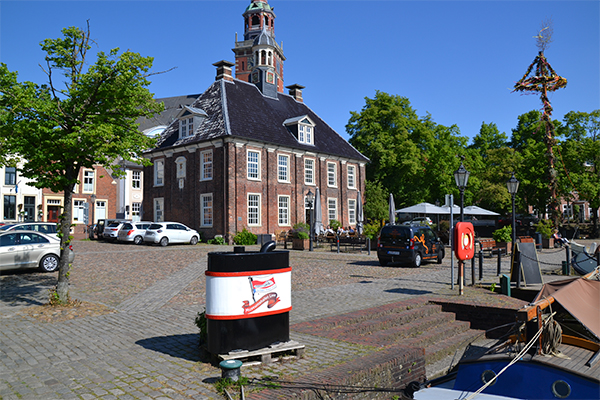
x,y
296,92
224,70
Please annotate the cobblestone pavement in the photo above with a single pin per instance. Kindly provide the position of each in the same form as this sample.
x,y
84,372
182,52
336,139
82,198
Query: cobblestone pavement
x,y
146,346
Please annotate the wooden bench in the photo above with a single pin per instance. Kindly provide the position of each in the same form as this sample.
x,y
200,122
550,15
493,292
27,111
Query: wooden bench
x,y
347,243
490,246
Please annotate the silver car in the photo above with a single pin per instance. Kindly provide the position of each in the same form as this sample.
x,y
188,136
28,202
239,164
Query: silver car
x,y
48,228
133,232
170,232
111,231
29,249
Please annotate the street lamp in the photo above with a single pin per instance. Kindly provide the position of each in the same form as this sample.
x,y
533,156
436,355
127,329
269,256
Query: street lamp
x,y
513,186
461,176
310,197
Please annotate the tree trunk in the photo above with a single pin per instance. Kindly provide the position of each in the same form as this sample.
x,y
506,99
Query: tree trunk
x,y
62,287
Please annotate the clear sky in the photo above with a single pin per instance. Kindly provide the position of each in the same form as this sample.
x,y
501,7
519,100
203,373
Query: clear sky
x,y
457,60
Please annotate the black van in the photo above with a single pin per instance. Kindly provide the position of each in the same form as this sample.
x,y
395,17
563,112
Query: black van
x,y
409,244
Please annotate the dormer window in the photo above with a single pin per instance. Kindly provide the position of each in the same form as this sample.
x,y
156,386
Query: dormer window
x,y
302,128
190,118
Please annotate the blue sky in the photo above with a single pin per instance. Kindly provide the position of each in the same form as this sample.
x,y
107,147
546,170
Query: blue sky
x,y
457,60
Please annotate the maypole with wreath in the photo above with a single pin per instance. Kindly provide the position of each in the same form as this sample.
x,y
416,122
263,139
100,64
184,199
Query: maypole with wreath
x,y
540,77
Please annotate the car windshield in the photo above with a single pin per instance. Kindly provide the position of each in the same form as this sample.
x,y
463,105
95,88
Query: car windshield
x,y
114,224
155,226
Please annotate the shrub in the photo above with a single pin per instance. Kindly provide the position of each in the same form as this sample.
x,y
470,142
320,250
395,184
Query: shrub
x,y
244,238
371,230
218,239
299,230
545,228
302,235
503,234
334,224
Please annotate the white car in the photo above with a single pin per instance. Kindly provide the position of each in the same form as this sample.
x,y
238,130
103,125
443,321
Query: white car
x,y
170,232
48,228
111,231
30,249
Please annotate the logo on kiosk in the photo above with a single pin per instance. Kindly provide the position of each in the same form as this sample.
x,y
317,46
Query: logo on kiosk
x,y
259,288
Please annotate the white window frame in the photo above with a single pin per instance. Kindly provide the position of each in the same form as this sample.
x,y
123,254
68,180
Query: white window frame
x,y
78,207
159,172
351,176
136,211
206,212
352,211
88,181
309,171
159,209
206,165
254,175
180,164
332,211
254,215
331,174
283,170
306,133
283,210
186,127
136,179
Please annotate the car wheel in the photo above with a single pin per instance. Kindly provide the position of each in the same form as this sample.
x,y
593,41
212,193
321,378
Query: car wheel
x,y
440,256
49,263
164,241
417,260
138,240
194,240
383,263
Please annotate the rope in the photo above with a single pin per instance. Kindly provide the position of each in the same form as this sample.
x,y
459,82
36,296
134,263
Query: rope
x,y
511,363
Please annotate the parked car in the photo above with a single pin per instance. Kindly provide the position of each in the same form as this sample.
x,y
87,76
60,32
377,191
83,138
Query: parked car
x,y
419,221
133,232
111,229
170,232
48,228
30,249
409,244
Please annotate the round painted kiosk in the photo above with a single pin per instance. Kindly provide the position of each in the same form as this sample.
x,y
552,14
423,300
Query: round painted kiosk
x,y
248,299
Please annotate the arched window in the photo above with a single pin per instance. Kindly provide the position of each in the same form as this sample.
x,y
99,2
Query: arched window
x,y
270,58
180,162
255,21
266,20
263,57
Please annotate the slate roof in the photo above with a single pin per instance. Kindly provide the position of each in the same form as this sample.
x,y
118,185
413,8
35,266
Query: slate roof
x,y
172,107
238,109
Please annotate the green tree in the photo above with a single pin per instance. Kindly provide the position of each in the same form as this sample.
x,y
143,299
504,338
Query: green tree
x,y
580,159
489,138
57,128
376,201
411,156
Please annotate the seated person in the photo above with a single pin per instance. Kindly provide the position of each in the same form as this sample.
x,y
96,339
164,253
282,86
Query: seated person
x,y
559,239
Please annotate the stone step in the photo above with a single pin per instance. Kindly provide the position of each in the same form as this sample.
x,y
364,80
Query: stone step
x,y
449,346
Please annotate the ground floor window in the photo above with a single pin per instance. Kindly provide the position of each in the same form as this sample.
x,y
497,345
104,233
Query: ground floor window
x,y
331,209
159,205
351,211
136,209
206,204
78,208
10,206
284,210
254,209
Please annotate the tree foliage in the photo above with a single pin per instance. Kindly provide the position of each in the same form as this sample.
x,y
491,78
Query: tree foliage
x,y
86,119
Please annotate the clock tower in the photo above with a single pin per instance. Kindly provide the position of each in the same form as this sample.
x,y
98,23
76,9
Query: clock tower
x,y
258,58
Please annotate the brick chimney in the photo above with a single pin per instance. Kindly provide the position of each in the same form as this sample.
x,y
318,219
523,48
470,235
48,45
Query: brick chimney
x,y
296,92
224,70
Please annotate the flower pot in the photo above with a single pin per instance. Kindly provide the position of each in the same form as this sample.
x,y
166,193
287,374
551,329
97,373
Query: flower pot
x,y
300,244
548,243
505,247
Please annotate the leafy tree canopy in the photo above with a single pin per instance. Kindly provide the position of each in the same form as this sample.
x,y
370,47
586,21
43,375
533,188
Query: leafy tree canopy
x,y
87,119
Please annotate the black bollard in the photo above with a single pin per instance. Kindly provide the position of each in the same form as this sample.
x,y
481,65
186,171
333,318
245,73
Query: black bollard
x,y
499,262
480,264
473,271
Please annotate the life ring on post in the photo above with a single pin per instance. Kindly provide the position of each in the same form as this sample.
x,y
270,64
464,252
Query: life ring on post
x,y
464,241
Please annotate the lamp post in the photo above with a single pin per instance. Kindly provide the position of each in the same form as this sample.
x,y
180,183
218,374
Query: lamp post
x,y
513,185
461,176
310,197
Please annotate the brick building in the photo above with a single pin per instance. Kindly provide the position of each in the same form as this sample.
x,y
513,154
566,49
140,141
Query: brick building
x,y
243,154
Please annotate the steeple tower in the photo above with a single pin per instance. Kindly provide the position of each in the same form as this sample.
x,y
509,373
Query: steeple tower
x,y
258,58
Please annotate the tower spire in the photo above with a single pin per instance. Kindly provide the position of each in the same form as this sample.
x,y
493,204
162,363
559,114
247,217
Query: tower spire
x,y
258,58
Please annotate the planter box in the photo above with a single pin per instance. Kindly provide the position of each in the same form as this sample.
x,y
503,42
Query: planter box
x,y
548,243
506,247
300,244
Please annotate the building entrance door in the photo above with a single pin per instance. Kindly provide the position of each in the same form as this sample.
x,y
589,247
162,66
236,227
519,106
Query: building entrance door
x,y
29,208
53,213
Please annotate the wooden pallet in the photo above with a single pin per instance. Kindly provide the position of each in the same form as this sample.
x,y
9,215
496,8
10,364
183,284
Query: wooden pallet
x,y
267,355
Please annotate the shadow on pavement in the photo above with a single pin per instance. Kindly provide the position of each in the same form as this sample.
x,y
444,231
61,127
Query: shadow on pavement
x,y
408,291
180,346
24,287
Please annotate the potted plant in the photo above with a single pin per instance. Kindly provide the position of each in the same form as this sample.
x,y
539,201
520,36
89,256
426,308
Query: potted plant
x,y
544,227
300,236
503,238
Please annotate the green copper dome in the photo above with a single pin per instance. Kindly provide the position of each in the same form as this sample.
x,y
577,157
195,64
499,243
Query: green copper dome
x,y
259,5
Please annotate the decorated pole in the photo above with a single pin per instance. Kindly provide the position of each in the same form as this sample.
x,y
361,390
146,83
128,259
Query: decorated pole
x,y
545,80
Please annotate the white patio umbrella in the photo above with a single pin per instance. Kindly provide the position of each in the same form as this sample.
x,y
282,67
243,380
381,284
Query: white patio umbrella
x,y
318,226
423,208
475,210
455,209
392,210
359,214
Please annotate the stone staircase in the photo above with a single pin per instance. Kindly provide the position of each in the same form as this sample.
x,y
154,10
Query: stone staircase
x,y
413,323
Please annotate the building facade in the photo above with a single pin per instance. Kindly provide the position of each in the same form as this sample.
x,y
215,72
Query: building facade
x,y
244,155
21,201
